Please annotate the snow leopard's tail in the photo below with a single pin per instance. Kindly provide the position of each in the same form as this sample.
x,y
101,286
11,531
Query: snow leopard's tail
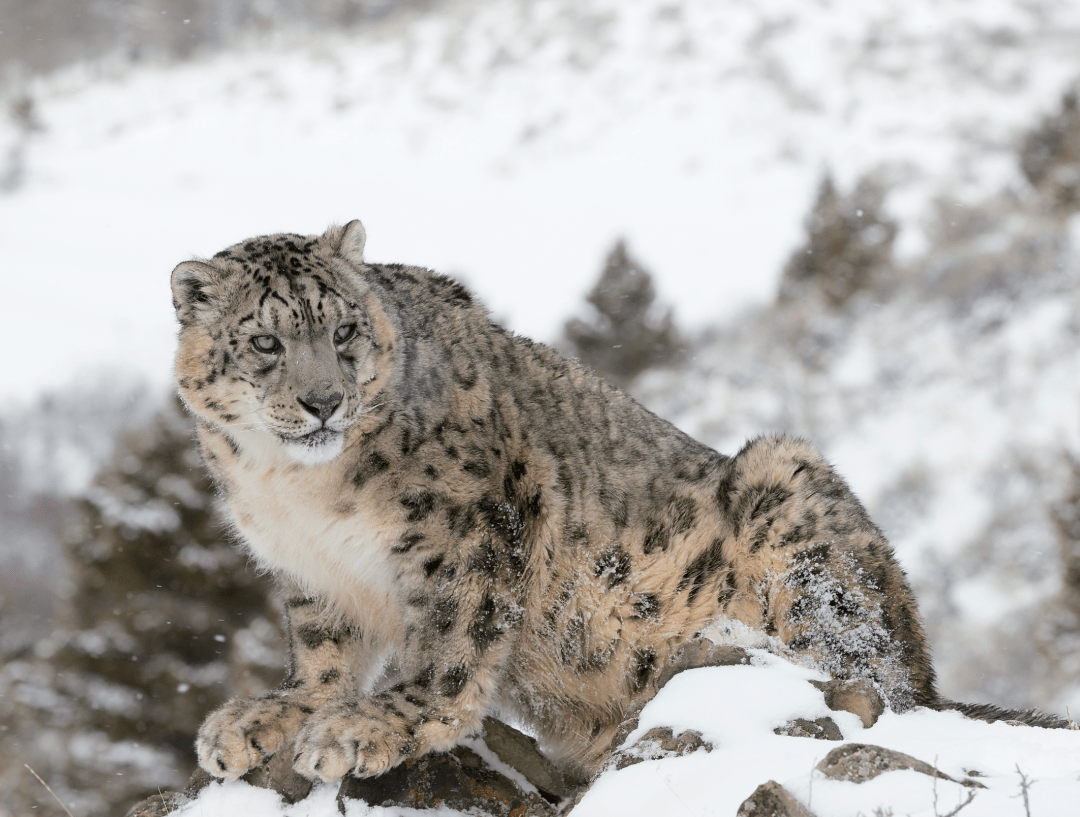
x,y
991,713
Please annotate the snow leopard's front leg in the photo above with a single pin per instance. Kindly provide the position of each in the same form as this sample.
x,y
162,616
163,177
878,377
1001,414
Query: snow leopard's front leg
x,y
245,732
460,630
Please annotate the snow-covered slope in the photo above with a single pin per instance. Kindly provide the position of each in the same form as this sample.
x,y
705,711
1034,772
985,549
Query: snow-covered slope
x,y
736,710
510,142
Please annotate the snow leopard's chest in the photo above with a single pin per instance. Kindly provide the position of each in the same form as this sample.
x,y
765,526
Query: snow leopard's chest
x,y
297,522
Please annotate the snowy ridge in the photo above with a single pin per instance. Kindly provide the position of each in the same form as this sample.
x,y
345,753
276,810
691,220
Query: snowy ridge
x,y
736,709
747,753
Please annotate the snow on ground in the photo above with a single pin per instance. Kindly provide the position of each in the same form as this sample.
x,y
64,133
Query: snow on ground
x,y
736,709
510,142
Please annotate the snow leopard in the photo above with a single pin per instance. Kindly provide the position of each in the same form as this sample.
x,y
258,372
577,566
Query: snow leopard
x,y
463,522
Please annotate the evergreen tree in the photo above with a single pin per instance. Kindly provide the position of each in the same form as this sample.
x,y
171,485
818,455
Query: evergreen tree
x,y
628,333
849,244
1050,156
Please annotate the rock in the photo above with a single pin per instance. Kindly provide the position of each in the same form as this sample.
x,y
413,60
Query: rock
x,y
859,762
772,800
198,781
659,742
159,805
458,779
701,652
822,729
629,724
278,774
571,803
857,696
694,654
520,752
164,803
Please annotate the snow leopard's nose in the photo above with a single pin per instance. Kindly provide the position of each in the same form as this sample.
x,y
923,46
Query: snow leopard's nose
x,y
320,404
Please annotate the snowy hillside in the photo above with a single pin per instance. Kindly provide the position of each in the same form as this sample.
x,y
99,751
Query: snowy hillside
x,y
510,142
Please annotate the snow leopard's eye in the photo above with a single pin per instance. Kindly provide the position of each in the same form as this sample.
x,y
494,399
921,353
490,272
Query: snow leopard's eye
x,y
267,344
345,333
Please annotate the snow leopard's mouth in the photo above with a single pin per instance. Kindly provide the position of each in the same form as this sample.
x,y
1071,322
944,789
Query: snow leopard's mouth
x,y
319,446
316,439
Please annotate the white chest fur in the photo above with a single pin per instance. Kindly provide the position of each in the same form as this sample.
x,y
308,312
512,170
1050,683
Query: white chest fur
x,y
305,522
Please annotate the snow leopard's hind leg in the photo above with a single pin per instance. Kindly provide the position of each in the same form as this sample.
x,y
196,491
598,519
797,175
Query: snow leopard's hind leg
x,y
819,575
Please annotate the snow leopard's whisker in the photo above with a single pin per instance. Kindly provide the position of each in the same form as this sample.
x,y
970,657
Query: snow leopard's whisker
x,y
247,413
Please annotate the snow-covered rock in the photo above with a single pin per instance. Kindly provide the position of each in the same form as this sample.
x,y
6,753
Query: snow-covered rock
x,y
737,710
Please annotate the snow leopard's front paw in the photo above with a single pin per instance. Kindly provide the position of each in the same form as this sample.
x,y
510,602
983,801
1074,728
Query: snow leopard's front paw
x,y
353,736
246,732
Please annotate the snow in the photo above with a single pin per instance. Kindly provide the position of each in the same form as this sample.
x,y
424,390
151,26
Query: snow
x,y
736,709
236,797
510,143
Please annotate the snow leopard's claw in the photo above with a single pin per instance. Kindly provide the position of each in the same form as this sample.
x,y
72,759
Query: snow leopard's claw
x,y
348,737
244,733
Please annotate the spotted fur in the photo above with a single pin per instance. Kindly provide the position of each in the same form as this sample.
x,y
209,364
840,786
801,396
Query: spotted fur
x,y
462,521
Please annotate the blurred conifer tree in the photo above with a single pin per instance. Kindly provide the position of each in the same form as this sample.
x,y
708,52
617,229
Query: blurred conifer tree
x,y
848,245
628,333
1050,156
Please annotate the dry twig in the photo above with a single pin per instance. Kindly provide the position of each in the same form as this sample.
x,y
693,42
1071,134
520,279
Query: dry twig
x,y
49,789
955,811
1025,784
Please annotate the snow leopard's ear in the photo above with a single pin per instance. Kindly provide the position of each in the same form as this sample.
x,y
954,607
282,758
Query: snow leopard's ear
x,y
194,287
350,245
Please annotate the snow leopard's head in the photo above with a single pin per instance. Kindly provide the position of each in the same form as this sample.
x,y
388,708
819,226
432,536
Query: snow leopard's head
x,y
282,342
